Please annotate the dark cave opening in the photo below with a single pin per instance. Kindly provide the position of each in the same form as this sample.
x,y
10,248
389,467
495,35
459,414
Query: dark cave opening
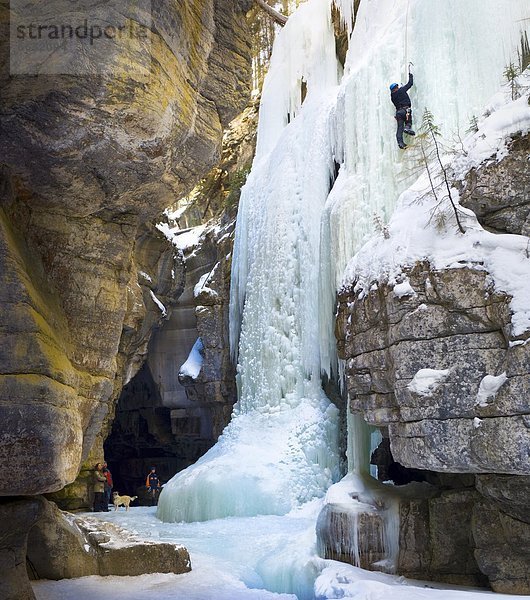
x,y
390,470
146,433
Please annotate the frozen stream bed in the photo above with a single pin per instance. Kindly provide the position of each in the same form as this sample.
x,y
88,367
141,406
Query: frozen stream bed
x,y
233,558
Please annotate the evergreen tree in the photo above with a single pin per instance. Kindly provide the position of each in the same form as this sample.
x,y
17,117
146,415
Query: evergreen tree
x,y
510,73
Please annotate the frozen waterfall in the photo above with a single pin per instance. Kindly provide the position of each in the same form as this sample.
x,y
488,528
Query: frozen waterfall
x,y
280,450
300,221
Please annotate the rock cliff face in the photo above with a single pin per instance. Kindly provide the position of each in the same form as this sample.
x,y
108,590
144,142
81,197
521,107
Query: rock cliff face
x,y
213,390
165,417
168,419
86,161
454,322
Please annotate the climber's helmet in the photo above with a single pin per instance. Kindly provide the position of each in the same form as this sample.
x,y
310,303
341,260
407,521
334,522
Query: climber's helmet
x,y
393,86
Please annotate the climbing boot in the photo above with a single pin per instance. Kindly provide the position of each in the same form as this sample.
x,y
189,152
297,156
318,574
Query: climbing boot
x,y
409,132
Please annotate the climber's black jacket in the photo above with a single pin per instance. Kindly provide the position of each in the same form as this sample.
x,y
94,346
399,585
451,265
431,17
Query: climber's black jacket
x,y
400,97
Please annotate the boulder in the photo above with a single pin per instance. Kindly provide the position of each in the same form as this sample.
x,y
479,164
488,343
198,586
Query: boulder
x,y
353,535
63,546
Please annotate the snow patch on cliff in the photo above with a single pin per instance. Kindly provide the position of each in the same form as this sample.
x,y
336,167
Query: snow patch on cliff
x,y
192,366
489,386
403,289
158,303
426,381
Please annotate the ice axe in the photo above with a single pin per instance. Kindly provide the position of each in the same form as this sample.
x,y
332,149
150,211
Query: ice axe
x,y
411,64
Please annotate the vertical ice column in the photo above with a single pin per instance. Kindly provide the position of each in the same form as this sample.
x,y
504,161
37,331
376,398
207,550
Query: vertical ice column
x,y
280,449
276,272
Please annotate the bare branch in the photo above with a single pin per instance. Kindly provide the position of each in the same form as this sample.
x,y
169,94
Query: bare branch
x,y
446,181
273,13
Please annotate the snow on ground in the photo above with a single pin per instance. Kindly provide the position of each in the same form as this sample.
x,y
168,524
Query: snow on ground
x,y
232,558
346,582
208,584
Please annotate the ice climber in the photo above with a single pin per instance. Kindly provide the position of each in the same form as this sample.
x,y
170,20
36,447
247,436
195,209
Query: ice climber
x,y
401,101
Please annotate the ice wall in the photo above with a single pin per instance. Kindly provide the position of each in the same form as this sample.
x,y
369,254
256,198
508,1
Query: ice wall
x,y
294,238
459,50
280,450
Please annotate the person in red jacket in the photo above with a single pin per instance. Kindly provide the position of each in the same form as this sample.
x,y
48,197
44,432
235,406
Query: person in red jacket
x,y
108,485
153,485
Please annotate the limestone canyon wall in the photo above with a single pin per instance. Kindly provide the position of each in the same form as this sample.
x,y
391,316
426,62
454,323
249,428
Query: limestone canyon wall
x,y
85,163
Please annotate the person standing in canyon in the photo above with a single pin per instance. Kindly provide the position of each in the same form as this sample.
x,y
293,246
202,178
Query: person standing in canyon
x,y
108,485
99,480
153,485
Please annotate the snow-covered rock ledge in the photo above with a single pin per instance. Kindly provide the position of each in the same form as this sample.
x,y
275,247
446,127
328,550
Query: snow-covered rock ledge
x,y
63,545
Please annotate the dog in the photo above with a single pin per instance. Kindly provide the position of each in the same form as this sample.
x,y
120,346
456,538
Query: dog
x,y
118,500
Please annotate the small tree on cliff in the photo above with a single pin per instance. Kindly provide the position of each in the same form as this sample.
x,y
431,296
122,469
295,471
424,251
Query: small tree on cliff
x,y
429,138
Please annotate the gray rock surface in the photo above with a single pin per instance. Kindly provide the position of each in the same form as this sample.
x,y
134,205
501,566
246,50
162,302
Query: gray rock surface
x,y
166,418
498,192
215,387
454,321
502,548
436,540
17,517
